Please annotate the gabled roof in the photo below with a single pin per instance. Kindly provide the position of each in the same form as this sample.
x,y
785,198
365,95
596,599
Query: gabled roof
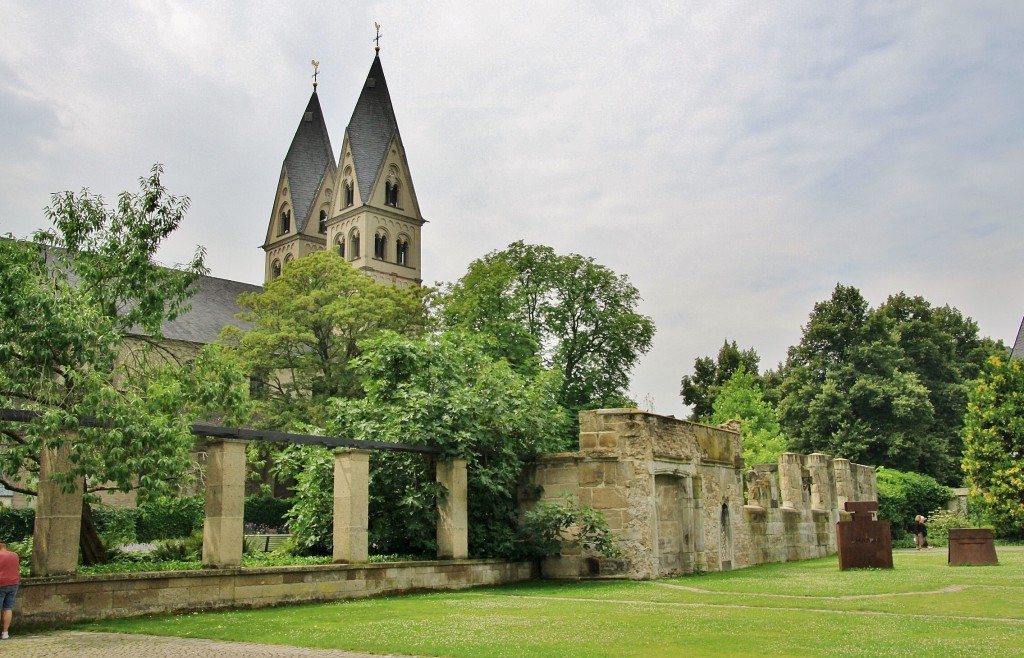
x,y
371,129
308,160
1017,351
213,307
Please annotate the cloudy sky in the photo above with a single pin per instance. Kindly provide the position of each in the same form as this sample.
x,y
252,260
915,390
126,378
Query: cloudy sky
x,y
735,159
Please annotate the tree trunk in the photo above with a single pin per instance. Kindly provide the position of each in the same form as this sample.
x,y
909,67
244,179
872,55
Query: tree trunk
x,y
89,540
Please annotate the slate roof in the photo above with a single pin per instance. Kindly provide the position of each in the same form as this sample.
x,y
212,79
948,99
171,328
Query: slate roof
x,y
213,307
1017,351
309,159
371,129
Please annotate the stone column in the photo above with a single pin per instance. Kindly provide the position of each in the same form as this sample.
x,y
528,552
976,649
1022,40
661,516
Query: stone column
x,y
58,516
844,482
351,505
698,528
225,504
791,480
822,488
453,511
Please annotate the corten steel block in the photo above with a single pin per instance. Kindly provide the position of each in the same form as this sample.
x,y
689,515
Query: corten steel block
x,y
864,544
971,546
862,506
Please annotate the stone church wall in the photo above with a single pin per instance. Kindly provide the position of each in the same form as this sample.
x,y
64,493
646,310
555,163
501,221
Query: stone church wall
x,y
678,497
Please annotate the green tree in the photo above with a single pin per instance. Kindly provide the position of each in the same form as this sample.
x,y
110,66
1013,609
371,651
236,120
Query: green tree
x,y
565,313
903,495
709,374
884,386
944,350
844,391
68,301
308,324
993,434
741,398
447,391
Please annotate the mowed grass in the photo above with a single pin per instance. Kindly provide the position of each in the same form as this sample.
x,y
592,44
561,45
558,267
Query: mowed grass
x,y
922,607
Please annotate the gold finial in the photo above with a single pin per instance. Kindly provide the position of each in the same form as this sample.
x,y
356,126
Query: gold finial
x,y
316,72
377,38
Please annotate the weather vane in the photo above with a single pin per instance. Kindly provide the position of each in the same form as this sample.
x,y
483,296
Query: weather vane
x,y
316,72
377,38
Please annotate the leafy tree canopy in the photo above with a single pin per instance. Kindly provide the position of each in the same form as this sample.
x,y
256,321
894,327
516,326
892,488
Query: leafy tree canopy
x,y
68,301
447,391
709,374
741,398
883,387
308,324
993,435
566,313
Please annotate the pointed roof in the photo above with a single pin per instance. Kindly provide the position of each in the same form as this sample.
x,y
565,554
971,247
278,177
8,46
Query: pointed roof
x,y
308,160
371,128
1017,351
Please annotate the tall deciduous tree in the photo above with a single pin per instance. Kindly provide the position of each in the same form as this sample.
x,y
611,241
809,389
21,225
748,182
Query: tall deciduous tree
x,y
307,327
709,374
883,386
68,300
443,391
993,436
566,313
741,398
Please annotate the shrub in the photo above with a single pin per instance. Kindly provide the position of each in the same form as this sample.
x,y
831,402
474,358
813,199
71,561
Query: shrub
x,y
16,524
116,525
940,521
550,527
903,495
180,549
264,512
171,517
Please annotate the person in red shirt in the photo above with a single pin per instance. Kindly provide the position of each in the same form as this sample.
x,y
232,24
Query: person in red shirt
x,y
9,581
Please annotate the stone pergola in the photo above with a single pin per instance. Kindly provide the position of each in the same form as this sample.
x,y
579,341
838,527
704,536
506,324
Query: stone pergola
x,y
58,512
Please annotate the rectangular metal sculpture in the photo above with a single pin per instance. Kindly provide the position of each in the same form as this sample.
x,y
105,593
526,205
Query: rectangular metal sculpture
x,y
971,546
864,543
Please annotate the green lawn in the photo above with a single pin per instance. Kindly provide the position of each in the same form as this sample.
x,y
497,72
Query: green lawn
x,y
922,607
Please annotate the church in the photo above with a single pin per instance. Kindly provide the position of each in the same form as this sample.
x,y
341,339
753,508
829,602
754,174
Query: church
x,y
361,204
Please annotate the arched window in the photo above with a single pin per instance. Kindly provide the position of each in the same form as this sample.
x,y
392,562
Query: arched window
x,y
391,194
286,221
391,187
402,251
339,243
275,269
348,188
288,258
354,240
323,221
380,246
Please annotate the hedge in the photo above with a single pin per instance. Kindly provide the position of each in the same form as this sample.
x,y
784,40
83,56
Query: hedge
x,y
16,524
903,495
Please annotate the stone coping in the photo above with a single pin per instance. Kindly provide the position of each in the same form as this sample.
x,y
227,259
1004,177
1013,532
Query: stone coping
x,y
253,571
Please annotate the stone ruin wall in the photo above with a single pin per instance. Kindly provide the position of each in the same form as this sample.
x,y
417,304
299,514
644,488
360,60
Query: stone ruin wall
x,y
673,491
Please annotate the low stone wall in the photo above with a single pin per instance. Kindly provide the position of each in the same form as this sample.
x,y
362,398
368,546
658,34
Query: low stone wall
x,y
680,499
58,600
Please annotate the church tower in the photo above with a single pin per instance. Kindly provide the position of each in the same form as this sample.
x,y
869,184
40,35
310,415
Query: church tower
x,y
375,219
305,190
363,206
